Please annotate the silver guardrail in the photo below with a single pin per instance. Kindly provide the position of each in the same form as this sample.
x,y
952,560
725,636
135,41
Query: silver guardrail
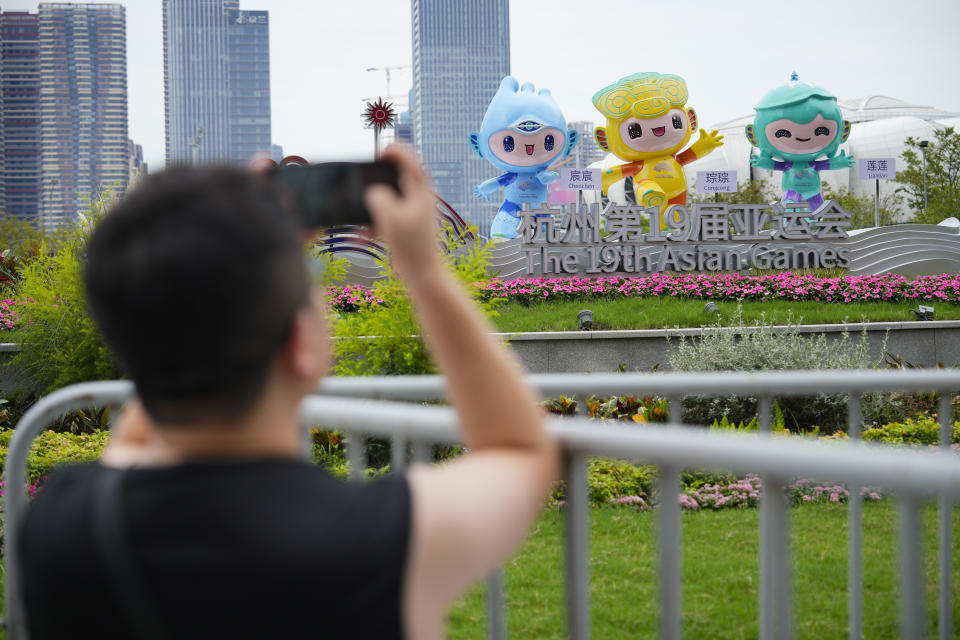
x,y
915,474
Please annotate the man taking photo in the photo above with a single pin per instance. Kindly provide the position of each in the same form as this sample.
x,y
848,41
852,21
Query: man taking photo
x,y
202,521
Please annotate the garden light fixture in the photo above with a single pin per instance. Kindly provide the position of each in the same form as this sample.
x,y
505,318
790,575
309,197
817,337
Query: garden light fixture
x,y
585,320
923,312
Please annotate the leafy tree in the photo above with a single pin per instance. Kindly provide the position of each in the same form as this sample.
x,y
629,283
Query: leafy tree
x,y
863,208
60,343
943,176
18,236
758,191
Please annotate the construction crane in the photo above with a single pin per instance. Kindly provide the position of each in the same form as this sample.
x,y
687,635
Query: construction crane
x,y
387,71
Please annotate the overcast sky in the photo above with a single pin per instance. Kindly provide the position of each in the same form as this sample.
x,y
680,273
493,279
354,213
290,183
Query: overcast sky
x,y
730,52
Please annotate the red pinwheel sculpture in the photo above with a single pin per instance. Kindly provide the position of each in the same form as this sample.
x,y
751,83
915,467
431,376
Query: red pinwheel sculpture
x,y
378,115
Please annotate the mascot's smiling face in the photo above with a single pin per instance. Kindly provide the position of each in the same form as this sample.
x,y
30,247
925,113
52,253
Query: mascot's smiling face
x,y
527,149
645,116
655,134
523,130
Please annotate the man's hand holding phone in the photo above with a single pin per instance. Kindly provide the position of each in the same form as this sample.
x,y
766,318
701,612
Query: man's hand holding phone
x,y
406,221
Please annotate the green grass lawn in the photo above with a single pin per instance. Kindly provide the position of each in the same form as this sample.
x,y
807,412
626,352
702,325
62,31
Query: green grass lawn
x,y
720,575
658,313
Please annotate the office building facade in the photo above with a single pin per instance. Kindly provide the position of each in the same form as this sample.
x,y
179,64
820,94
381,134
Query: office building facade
x,y
84,146
20,115
587,150
216,81
461,52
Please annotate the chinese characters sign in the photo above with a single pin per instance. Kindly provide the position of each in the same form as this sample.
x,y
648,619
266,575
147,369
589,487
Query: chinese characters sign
x,y
716,181
582,179
708,236
877,168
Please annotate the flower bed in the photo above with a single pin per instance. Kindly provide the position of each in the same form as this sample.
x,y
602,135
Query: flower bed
x,y
785,286
745,494
8,314
351,298
724,286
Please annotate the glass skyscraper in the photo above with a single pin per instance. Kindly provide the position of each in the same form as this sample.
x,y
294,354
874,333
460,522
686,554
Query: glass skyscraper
x,y
84,144
20,115
461,52
216,81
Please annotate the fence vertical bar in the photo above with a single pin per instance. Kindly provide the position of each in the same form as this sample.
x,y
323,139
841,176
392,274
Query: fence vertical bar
x,y
765,414
855,561
577,551
675,407
306,442
355,454
774,562
670,558
421,451
911,597
945,535
398,453
496,623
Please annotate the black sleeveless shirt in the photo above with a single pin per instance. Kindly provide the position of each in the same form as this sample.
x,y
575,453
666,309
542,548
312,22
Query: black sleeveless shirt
x,y
262,549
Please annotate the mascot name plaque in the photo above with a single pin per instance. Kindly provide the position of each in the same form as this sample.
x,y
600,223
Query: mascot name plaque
x,y
703,237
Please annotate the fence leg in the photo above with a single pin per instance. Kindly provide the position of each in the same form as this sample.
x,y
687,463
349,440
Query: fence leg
x,y
421,451
911,589
496,623
670,558
398,454
578,570
946,535
774,562
306,442
355,454
855,561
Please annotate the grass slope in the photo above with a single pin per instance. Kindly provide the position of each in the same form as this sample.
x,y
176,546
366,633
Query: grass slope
x,y
658,313
720,576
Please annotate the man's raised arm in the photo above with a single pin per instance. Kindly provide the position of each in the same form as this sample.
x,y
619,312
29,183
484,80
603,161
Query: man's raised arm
x,y
468,515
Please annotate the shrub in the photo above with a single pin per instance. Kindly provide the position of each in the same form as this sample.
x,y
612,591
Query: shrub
x,y
633,408
609,479
60,343
51,449
924,431
384,338
562,406
761,347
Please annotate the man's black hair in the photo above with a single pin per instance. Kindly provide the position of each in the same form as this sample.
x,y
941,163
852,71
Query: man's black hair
x,y
194,279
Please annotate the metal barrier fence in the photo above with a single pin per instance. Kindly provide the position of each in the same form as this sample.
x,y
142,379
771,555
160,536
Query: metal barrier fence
x,y
914,474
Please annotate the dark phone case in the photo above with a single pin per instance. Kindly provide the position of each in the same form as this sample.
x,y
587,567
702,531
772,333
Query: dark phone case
x,y
330,194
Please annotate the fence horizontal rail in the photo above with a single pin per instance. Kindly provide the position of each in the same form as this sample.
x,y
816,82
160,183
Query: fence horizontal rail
x,y
676,445
776,383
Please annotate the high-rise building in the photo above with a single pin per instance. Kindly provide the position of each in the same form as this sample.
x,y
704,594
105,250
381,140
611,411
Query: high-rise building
x,y
587,149
216,61
83,106
461,52
403,129
20,115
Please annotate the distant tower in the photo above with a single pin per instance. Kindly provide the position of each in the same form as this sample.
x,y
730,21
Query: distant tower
x,y
83,106
587,149
20,115
216,70
461,52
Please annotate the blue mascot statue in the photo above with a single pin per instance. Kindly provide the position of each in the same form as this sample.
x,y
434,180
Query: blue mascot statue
x,y
523,133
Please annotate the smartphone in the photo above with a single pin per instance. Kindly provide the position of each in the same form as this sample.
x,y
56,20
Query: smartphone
x,y
330,194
